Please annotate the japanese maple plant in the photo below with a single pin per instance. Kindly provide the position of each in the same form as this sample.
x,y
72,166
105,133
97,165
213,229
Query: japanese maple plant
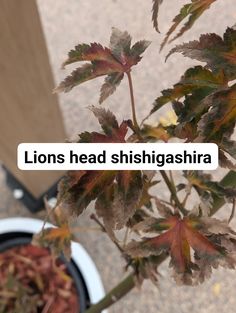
x,y
177,228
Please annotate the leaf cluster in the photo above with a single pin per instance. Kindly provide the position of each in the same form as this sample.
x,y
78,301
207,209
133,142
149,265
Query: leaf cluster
x,y
204,105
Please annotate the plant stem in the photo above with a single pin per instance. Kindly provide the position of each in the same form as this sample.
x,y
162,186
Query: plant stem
x,y
94,217
172,189
114,295
131,90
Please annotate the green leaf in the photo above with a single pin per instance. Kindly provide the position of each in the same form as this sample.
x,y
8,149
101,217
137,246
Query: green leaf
x,y
192,11
220,119
120,44
207,189
218,53
194,79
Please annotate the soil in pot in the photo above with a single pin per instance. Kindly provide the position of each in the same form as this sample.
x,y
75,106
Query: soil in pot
x,y
32,281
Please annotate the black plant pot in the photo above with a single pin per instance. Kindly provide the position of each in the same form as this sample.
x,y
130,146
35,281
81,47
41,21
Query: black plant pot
x,y
14,239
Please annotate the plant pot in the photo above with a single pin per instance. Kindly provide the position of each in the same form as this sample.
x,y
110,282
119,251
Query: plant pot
x,y
18,231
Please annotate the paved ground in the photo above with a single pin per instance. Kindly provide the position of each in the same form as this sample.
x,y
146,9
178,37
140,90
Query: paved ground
x,y
67,22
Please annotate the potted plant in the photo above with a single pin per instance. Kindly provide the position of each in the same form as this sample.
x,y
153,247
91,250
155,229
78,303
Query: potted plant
x,y
33,280
177,228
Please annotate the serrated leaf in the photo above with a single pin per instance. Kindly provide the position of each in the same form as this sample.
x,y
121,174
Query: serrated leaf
x,y
139,48
113,133
128,195
112,81
92,52
204,104
148,183
120,43
155,9
119,202
84,73
146,268
194,79
192,11
218,53
221,118
77,196
113,61
182,235
117,193
207,189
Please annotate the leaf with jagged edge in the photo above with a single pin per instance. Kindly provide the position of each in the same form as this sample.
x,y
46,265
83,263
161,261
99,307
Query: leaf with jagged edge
x,y
218,53
112,81
148,183
155,10
145,268
118,203
192,11
127,196
123,188
196,78
180,235
197,101
113,61
207,189
120,43
218,123
90,52
113,133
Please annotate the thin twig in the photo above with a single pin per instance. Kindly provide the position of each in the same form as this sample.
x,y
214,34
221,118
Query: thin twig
x,y
94,217
172,179
172,190
126,236
131,90
232,212
48,305
188,193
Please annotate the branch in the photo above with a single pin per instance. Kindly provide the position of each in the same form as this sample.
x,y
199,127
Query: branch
x,y
114,295
173,192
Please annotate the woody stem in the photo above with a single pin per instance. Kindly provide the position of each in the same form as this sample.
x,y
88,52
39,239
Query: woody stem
x,y
114,295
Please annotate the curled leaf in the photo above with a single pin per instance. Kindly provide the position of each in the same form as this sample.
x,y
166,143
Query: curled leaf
x,y
218,53
112,62
155,10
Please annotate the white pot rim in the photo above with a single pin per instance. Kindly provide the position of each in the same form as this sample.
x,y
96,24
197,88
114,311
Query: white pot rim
x,y
79,255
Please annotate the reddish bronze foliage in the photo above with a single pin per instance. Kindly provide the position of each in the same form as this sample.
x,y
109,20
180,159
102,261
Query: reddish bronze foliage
x,y
33,281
